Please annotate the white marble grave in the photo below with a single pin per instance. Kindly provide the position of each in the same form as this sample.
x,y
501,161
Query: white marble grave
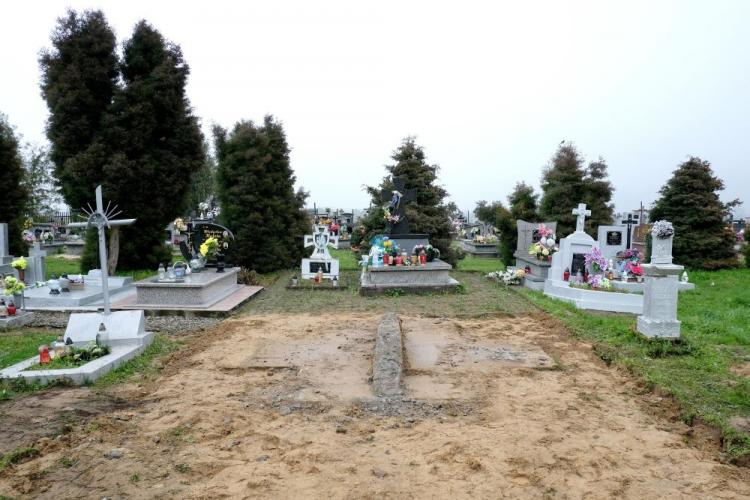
x,y
320,259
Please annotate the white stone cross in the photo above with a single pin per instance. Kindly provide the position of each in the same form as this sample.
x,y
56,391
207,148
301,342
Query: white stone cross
x,y
101,218
321,239
581,212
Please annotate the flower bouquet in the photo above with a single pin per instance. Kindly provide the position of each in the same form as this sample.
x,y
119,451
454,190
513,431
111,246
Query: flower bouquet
x,y
13,286
509,277
545,247
209,249
431,252
179,225
390,218
28,237
662,229
19,264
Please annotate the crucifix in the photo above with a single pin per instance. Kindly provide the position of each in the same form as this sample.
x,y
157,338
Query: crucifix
x,y
581,212
630,222
101,218
396,200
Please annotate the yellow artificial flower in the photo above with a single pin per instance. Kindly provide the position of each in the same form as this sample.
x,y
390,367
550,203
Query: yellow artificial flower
x,y
204,249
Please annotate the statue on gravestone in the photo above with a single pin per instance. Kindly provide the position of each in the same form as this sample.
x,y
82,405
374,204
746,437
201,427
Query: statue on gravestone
x,y
396,206
321,239
581,212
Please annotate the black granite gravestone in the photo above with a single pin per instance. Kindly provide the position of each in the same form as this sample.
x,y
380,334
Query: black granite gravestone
x,y
614,238
578,264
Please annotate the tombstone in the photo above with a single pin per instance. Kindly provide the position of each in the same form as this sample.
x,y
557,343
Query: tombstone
x,y
659,317
396,200
612,239
36,264
199,230
573,248
5,257
528,233
320,259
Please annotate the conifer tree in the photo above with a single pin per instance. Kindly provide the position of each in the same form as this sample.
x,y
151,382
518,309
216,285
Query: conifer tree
x,y
255,185
429,213
690,201
79,80
156,145
15,195
598,196
562,188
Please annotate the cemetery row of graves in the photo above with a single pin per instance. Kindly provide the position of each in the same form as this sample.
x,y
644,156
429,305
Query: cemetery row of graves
x,y
238,305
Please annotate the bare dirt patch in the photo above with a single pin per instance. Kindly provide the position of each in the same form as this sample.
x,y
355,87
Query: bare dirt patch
x,y
282,406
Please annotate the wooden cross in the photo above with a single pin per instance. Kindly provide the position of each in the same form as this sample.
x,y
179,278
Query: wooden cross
x,y
630,222
396,199
101,218
581,212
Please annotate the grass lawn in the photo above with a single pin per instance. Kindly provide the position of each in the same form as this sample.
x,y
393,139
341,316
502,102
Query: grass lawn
x,y
18,345
60,265
482,265
697,371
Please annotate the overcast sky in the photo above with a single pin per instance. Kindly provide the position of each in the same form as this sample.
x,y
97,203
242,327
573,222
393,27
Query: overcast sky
x,y
489,89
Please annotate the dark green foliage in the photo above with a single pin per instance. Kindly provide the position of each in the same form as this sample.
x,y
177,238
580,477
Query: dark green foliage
x,y
523,205
90,255
598,196
747,254
138,138
562,188
15,195
565,184
156,143
690,201
79,78
429,213
256,190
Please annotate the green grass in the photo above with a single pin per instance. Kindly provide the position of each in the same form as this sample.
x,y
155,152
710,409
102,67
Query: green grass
x,y
480,264
18,345
696,370
347,259
477,296
146,365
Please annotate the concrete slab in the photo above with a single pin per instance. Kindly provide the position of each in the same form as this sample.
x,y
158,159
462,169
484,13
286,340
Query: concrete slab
x,y
123,327
18,320
221,307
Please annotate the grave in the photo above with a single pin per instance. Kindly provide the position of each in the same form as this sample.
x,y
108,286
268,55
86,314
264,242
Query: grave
x,y
126,330
198,230
659,317
320,259
528,233
571,256
89,295
432,276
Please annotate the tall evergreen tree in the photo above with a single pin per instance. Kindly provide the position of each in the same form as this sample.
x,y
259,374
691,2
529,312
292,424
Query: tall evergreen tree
x,y
523,205
15,195
156,142
690,201
598,196
256,190
429,213
562,188
203,181
79,80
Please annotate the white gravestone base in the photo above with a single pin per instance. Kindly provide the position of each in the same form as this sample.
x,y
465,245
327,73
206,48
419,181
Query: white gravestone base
x,y
659,319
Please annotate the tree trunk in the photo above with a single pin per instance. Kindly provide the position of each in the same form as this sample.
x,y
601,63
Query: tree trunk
x,y
114,250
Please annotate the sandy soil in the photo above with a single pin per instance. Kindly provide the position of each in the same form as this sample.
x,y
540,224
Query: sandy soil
x,y
281,406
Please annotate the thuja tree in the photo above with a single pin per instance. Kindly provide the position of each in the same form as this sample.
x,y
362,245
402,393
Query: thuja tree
x,y
428,213
138,138
15,196
156,145
255,185
562,188
690,201
598,196
566,183
79,80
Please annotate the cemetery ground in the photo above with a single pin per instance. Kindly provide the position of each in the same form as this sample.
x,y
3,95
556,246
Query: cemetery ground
x,y
508,394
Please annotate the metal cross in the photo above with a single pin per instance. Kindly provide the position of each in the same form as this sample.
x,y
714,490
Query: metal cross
x,y
630,223
581,212
101,218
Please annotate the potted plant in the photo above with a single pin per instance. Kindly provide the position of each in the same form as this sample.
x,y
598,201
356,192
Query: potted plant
x,y
19,265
